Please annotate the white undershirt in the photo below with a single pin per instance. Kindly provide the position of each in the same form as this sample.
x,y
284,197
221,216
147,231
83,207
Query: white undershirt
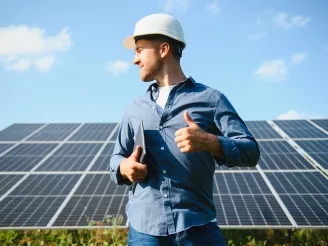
x,y
163,94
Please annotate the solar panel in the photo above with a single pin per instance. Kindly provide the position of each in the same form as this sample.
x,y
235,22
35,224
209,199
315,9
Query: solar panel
x,y
279,155
46,185
225,168
244,199
35,200
113,138
66,184
300,129
96,198
93,132
102,163
304,194
4,147
26,211
322,123
71,157
24,156
317,149
18,132
262,130
54,132
7,181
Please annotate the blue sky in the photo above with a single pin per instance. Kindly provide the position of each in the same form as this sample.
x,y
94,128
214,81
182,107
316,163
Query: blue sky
x,y
64,61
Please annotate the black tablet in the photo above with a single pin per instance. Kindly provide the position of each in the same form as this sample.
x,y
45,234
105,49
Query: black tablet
x,y
140,140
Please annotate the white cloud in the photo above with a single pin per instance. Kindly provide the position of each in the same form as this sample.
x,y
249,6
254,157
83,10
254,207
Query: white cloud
x,y
44,64
291,115
276,70
256,36
117,67
23,46
294,115
272,70
213,7
20,65
177,6
283,20
297,58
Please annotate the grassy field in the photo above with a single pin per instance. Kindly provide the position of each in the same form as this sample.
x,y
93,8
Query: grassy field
x,y
118,237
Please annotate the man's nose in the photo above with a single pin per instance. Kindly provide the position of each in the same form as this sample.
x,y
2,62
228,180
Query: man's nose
x,y
136,60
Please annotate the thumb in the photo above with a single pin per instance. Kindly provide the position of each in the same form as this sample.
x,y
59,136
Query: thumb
x,y
188,119
136,153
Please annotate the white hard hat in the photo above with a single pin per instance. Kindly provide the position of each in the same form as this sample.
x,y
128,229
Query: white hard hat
x,y
156,24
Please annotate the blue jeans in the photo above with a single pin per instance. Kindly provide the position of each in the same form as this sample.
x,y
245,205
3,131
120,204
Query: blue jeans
x,y
208,234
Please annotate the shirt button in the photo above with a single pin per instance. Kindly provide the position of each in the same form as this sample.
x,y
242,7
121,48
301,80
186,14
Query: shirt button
x,y
164,171
161,127
162,148
165,195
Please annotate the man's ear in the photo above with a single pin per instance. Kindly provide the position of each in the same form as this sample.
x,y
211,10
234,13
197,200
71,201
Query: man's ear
x,y
164,49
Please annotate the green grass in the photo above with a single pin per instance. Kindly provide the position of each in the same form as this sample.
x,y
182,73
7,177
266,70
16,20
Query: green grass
x,y
117,237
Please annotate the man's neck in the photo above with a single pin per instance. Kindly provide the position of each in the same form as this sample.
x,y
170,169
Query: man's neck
x,y
172,77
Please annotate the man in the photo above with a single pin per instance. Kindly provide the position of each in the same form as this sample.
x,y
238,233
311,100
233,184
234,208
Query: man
x,y
189,128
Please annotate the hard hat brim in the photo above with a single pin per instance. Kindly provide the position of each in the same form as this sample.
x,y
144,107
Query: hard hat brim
x,y
129,43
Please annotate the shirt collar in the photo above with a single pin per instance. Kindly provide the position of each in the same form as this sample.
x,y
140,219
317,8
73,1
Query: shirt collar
x,y
189,82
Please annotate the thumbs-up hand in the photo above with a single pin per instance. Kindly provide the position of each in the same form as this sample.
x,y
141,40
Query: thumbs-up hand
x,y
131,169
191,138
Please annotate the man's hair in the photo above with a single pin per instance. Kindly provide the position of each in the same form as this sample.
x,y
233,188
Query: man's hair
x,y
175,45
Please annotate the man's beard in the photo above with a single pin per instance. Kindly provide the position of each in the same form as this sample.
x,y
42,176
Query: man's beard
x,y
149,74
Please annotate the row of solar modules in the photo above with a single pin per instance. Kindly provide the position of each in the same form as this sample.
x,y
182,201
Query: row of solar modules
x,y
275,155
241,199
297,197
58,132
99,132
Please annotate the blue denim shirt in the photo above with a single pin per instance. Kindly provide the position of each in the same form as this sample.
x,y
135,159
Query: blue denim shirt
x,y
177,192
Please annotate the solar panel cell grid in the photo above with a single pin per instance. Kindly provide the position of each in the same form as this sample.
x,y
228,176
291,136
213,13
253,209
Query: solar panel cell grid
x,y
300,129
225,168
305,196
322,123
82,210
103,161
96,198
279,155
28,211
241,183
245,199
4,147
93,132
97,184
54,132
17,132
71,157
317,149
262,130
255,210
7,181
24,157
46,185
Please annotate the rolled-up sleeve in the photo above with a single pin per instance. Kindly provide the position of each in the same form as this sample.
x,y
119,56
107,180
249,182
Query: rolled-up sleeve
x,y
239,146
123,149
